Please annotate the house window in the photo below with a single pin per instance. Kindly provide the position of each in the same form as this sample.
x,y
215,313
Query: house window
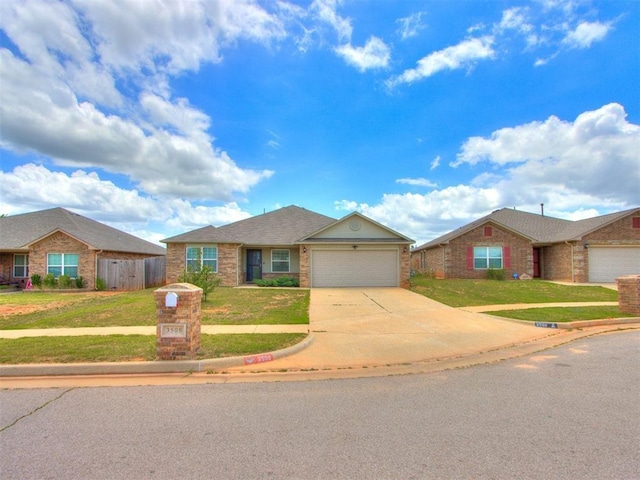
x,y
198,257
21,265
487,257
62,264
280,260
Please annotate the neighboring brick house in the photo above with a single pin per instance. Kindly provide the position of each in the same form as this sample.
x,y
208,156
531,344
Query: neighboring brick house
x,y
62,242
597,249
318,250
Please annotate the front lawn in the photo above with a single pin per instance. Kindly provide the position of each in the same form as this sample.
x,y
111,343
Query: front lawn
x,y
466,293
124,348
224,306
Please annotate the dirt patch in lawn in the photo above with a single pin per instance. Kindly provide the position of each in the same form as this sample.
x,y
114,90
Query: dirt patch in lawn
x,y
15,309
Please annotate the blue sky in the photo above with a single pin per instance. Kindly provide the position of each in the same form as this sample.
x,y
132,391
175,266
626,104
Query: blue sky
x,y
161,117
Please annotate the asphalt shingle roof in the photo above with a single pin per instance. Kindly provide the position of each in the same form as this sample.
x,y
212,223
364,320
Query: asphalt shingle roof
x,y
18,231
280,227
538,228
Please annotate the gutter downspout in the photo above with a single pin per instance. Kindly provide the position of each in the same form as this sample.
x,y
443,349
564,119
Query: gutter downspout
x,y
573,276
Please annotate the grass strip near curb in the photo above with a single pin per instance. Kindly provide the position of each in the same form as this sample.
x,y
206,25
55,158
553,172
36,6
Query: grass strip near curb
x,y
467,293
127,348
562,314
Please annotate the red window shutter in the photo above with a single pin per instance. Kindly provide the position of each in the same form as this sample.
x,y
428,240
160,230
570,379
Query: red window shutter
x,y
488,231
506,257
469,258
636,222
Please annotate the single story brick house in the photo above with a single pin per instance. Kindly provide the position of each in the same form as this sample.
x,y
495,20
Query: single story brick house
x,y
319,251
598,249
59,241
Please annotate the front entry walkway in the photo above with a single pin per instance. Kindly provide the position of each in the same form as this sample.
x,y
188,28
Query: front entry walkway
x,y
356,327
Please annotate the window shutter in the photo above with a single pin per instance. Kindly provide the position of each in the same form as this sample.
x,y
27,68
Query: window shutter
x,y
506,257
488,231
635,222
469,258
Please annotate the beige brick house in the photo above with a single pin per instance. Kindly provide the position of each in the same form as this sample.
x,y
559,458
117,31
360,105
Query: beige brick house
x,y
318,250
62,242
597,249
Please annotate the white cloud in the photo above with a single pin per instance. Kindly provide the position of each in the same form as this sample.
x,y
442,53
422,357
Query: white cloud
x,y
586,33
417,182
577,169
435,163
374,54
410,26
462,55
325,12
597,154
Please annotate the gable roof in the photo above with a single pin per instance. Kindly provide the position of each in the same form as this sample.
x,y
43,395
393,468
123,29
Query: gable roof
x,y
18,232
379,233
536,228
280,227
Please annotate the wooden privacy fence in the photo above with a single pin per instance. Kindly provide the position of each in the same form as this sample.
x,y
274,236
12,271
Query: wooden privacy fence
x,y
132,274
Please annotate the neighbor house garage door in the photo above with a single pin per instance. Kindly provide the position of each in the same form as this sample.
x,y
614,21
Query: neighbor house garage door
x,y
354,268
608,263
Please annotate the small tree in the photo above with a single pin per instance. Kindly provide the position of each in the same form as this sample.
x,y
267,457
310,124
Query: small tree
x,y
201,276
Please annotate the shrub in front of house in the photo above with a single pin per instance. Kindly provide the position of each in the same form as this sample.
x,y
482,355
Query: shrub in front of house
x,y
36,280
278,282
496,274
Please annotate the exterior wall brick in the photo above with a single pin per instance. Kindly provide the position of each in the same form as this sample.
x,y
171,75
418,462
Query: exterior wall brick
x,y
188,312
405,266
629,294
557,262
228,262
62,243
305,267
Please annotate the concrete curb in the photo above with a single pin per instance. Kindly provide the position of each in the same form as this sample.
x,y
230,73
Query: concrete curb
x,y
571,325
153,367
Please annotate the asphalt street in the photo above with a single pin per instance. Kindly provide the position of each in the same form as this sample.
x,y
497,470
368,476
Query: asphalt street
x,y
566,413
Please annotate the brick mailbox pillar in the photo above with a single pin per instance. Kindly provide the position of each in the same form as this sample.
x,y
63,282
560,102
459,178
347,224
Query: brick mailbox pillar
x,y
629,294
179,319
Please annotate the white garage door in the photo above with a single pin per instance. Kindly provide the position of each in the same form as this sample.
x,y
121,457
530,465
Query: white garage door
x,y
608,263
354,268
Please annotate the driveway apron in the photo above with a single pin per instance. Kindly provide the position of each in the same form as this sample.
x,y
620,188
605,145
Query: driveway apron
x,y
390,326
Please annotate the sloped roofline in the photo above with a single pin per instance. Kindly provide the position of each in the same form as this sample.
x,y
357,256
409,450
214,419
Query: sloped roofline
x,y
352,214
59,230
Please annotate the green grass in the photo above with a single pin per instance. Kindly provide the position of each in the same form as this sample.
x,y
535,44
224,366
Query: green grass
x,y
224,306
562,314
122,348
256,306
465,293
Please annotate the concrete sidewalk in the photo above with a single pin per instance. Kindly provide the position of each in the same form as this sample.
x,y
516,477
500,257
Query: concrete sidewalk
x,y
354,332
205,329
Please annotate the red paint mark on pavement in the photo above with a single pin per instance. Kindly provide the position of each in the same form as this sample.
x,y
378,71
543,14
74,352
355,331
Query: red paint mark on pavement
x,y
267,357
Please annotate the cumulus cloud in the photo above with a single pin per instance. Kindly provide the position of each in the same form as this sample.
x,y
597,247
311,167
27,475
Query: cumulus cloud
x,y
161,144
577,169
463,55
374,54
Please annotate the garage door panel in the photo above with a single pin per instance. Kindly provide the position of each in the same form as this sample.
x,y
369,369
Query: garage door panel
x,y
608,263
354,268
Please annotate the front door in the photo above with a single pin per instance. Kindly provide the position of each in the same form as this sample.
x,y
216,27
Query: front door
x,y
536,263
254,265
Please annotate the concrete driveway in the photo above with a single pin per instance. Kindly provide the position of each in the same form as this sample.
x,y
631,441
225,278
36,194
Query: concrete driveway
x,y
355,327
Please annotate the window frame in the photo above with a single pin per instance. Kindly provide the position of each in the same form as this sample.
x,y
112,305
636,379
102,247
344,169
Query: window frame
x,y
210,260
64,266
25,265
487,257
286,262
